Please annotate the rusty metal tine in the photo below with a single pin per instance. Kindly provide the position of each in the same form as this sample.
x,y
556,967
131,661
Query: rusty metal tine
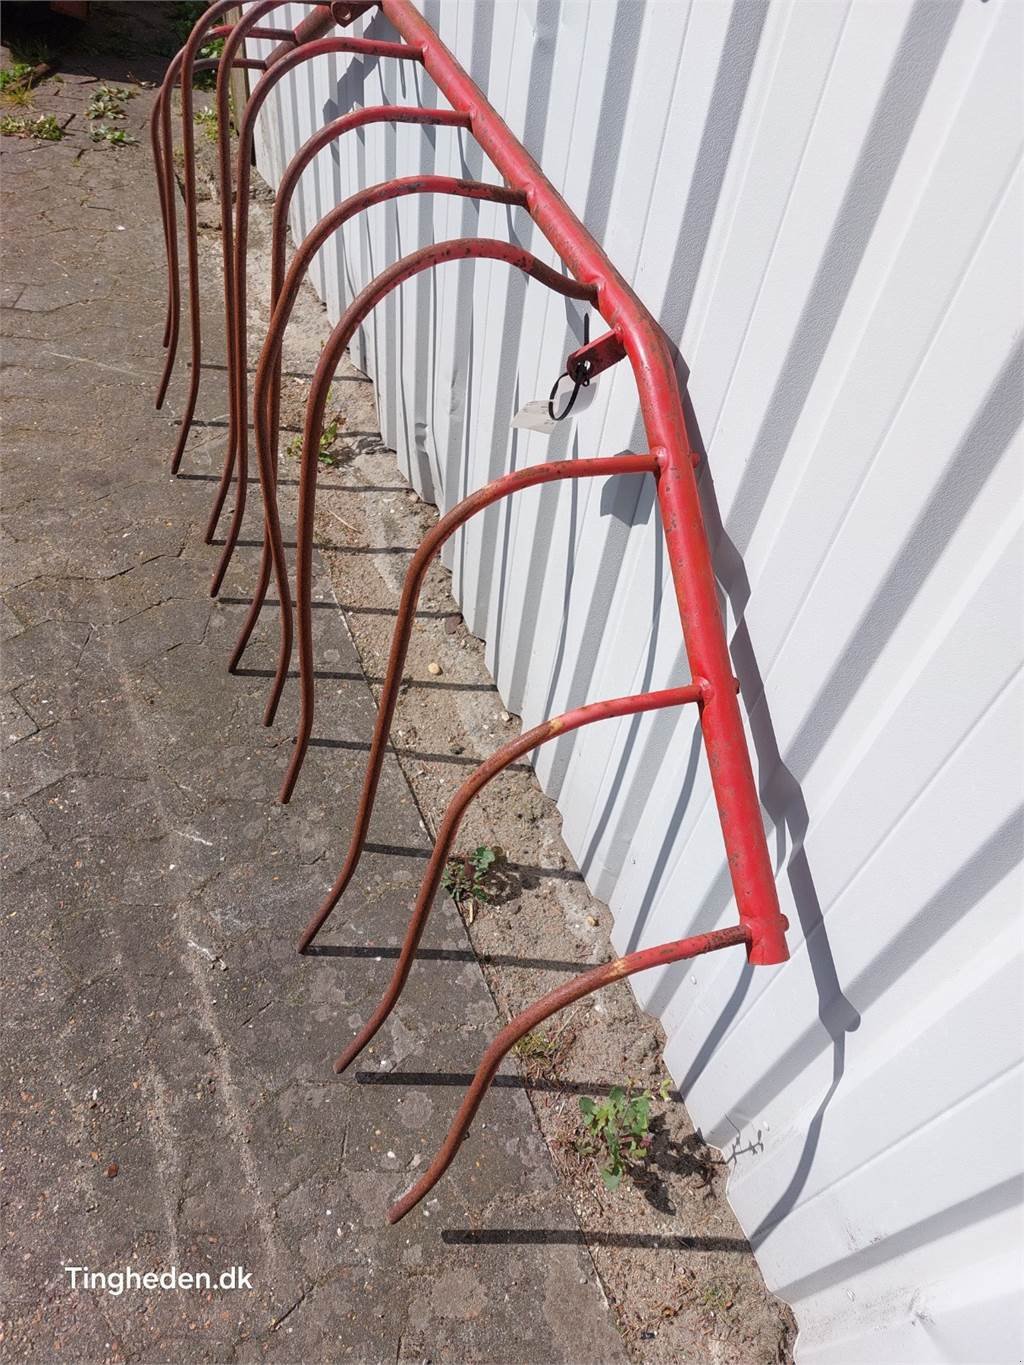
x,y
449,828
280,35
483,497
521,1024
163,160
429,546
330,357
235,447
313,24
284,291
157,147
189,55
279,236
235,260
163,153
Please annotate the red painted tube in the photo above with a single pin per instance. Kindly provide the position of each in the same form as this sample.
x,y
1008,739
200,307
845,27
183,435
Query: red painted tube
x,y
449,828
182,67
162,147
661,404
267,386
312,26
234,264
522,1024
428,548
243,179
234,452
426,258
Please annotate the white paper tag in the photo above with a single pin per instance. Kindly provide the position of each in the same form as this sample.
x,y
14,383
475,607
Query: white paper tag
x,y
535,417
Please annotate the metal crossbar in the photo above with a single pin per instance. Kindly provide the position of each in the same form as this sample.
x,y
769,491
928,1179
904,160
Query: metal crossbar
x,y
633,335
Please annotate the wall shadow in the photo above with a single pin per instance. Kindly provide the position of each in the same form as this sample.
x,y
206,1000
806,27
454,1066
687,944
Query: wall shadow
x,y
576,1237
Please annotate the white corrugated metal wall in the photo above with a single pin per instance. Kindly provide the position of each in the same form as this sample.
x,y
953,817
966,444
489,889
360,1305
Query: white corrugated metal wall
x,y
821,200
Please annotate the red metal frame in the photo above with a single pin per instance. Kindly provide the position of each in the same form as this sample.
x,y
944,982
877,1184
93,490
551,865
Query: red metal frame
x,y
634,335
661,404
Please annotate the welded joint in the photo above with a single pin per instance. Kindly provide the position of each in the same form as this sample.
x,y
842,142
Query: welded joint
x,y
666,461
346,12
593,357
707,691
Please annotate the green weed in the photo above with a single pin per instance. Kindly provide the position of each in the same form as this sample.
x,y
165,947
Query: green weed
x,y
45,128
108,102
617,1130
16,83
328,438
466,874
206,119
117,137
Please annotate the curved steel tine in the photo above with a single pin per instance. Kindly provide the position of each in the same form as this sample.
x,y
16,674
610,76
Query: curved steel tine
x,y
267,386
163,160
235,261
189,55
330,357
234,451
158,151
163,157
315,23
449,828
542,1009
279,236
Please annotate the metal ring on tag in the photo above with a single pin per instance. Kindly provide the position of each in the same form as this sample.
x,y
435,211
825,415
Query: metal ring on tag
x,y
577,383
558,416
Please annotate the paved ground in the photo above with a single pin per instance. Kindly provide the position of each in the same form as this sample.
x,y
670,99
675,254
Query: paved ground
x,y
158,1023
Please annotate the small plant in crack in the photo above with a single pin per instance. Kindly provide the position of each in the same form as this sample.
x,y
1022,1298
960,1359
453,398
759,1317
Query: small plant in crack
x,y
117,137
466,875
541,1054
17,74
326,454
328,439
617,1129
206,119
16,83
537,1052
45,128
717,1298
536,1047
108,102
